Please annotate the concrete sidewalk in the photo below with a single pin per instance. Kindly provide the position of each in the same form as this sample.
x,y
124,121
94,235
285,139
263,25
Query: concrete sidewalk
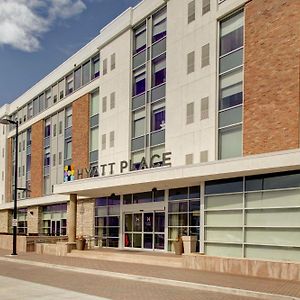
x,y
258,287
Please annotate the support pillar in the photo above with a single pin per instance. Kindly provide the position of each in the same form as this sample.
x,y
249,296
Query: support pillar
x,y
71,222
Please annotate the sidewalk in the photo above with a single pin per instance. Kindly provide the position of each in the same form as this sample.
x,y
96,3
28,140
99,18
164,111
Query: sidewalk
x,y
259,285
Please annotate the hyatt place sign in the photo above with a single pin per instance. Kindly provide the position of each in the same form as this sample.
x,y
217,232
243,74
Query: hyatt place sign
x,y
114,168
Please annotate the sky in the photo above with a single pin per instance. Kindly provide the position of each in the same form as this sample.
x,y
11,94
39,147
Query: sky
x,y
36,36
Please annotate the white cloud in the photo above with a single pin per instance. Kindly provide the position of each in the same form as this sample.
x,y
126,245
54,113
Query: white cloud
x,y
22,22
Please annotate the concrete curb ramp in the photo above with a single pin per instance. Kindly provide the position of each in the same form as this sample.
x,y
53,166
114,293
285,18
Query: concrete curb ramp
x,y
154,280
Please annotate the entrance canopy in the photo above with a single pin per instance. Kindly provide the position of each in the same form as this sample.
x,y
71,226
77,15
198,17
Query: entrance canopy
x,y
172,177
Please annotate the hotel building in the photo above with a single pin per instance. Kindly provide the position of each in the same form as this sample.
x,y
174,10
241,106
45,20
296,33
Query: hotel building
x,y
182,117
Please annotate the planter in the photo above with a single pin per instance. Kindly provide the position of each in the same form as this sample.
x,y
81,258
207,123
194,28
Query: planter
x,y
80,244
189,244
178,247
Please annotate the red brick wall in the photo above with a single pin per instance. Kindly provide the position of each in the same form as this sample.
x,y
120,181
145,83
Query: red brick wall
x,y
80,133
271,103
37,154
8,177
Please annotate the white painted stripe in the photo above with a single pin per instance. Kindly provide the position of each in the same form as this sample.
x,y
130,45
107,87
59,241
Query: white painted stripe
x,y
154,280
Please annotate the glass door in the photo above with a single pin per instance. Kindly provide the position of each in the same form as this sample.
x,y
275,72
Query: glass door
x,y
144,230
55,228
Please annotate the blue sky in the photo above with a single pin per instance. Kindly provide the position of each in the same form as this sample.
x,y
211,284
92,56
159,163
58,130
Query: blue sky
x,y
36,36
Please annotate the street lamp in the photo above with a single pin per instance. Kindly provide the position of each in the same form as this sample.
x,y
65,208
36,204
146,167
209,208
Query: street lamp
x,y
15,222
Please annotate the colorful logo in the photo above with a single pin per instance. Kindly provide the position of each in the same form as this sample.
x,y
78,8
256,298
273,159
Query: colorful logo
x,y
69,173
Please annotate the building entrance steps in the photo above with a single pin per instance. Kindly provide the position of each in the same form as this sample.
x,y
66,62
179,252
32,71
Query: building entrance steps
x,y
131,256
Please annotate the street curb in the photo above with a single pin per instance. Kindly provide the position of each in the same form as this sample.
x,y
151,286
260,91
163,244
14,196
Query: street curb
x,y
154,280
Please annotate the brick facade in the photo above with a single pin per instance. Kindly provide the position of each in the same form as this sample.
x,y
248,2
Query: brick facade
x,y
37,154
80,133
8,177
271,100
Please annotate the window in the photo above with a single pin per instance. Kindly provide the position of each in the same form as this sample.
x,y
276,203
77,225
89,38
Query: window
x,y
138,123
86,73
189,159
36,107
47,157
59,158
48,98
42,102
205,6
191,11
159,70
111,139
104,66
95,67
231,33
54,130
68,117
205,56
54,160
139,81
113,61
103,142
94,107
60,127
94,139
231,89
159,25
77,79
69,84
204,108
55,93
47,129
230,142
190,62
61,88
104,104
68,149
158,118
140,38
30,110
112,100
190,113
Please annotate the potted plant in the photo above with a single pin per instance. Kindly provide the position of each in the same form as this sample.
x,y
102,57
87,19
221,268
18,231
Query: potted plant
x,y
80,242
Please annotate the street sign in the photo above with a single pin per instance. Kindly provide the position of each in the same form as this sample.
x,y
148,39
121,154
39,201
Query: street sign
x,y
14,222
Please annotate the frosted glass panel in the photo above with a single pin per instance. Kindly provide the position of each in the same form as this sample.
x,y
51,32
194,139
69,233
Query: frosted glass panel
x,y
224,202
224,234
230,142
224,218
273,199
273,217
230,116
273,253
223,250
279,237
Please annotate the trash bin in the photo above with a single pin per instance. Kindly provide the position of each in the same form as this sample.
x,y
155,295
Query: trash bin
x,y
178,246
189,244
80,243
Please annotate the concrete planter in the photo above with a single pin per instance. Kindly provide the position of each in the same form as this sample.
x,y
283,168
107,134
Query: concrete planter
x,y
189,244
178,247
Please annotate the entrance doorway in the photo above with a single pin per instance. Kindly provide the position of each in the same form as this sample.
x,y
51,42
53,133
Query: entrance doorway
x,y
144,230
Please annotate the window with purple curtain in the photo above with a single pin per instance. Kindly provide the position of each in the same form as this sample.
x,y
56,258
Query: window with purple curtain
x,y
139,84
158,119
47,131
159,71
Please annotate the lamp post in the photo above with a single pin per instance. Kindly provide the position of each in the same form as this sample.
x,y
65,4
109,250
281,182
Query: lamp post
x,y
15,222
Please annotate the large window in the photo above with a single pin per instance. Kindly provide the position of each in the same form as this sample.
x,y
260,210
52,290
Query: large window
x,y
231,86
139,81
159,25
254,217
159,70
140,38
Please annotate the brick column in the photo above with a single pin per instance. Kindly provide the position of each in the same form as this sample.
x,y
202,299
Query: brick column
x,y
271,94
80,134
37,154
71,218
8,177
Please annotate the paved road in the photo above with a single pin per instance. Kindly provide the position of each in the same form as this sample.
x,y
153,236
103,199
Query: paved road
x,y
52,283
